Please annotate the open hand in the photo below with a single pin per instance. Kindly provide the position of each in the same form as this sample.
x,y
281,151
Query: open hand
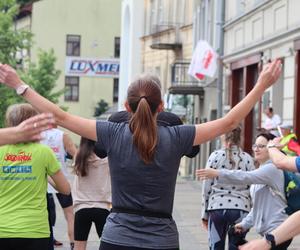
x,y
207,173
9,76
30,129
270,74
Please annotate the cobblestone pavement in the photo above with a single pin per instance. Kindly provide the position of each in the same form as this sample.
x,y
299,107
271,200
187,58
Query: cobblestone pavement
x,y
186,213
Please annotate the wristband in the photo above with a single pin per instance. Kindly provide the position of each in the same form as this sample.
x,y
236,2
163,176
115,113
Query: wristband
x,y
270,239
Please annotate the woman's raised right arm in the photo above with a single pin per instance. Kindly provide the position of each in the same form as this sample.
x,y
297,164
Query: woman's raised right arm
x,y
78,125
212,129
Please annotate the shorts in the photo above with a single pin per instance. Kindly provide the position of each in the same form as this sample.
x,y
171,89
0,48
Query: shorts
x,y
24,243
65,200
84,219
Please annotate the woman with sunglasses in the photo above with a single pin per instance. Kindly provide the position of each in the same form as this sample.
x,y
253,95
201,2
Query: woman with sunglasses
x,y
268,210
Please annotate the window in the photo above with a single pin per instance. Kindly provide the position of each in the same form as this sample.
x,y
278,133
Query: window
x,y
117,47
116,90
72,88
73,45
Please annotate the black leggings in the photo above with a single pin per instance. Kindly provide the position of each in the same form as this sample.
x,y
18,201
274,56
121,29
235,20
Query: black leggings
x,y
24,243
84,219
107,246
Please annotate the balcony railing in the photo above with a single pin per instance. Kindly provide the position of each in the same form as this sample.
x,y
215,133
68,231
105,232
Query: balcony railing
x,y
182,83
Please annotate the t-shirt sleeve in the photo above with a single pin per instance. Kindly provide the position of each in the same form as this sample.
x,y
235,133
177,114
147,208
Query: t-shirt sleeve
x,y
186,136
52,164
105,131
298,163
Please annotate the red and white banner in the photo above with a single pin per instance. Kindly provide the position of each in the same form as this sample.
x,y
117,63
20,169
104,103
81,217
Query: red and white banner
x,y
204,61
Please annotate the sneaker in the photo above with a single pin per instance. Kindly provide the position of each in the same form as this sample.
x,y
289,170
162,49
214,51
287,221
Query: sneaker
x,y
57,243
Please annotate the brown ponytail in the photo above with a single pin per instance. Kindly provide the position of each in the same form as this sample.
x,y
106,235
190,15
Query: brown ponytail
x,y
144,97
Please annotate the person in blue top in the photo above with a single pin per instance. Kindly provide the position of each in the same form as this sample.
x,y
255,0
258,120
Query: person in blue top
x,y
143,157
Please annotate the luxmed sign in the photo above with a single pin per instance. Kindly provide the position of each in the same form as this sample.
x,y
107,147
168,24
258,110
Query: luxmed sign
x,y
76,66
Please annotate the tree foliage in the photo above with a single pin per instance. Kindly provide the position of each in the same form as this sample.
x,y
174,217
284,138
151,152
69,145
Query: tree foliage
x,y
101,108
11,41
42,76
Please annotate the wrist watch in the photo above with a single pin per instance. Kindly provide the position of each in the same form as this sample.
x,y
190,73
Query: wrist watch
x,y
22,89
270,239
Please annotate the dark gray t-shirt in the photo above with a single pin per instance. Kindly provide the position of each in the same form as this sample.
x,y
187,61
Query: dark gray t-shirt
x,y
139,186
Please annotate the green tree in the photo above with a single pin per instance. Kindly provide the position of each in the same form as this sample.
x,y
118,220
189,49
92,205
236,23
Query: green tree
x,y
43,76
11,41
101,108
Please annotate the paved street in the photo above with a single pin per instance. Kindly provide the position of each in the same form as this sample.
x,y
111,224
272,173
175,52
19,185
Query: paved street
x,y
186,213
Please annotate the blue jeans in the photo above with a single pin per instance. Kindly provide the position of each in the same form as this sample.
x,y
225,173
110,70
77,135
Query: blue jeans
x,y
219,224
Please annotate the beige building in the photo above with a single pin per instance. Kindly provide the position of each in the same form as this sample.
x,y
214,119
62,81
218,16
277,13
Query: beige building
x,y
255,32
85,36
171,32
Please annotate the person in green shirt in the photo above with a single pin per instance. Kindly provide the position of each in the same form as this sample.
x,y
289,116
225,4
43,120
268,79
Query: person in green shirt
x,y
24,168
287,137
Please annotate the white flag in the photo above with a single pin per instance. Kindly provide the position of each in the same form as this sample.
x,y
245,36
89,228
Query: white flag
x,y
204,61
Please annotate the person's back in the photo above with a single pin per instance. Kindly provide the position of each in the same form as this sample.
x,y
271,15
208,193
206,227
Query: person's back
x,y
23,176
24,168
91,193
224,204
142,189
53,138
85,193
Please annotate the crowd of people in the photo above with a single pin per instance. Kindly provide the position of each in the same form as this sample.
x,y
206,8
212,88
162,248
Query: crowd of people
x,y
136,178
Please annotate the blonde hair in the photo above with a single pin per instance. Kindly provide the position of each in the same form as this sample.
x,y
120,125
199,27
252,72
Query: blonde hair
x,y
18,113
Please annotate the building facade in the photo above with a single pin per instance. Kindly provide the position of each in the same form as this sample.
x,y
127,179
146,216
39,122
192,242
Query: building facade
x,y
171,31
257,31
85,37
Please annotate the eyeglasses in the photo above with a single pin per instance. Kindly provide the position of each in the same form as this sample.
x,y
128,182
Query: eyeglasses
x,y
259,146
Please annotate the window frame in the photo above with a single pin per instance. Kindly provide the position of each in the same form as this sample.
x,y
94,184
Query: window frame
x,y
73,44
72,98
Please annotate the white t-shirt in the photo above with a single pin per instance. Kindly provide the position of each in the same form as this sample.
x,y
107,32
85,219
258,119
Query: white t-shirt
x,y
54,139
273,122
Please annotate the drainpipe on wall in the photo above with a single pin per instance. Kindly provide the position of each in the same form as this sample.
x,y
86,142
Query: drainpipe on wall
x,y
220,45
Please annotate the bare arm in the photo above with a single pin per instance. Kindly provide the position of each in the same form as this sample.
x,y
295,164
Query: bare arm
x,y
78,125
28,130
69,145
212,129
287,230
60,183
281,160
